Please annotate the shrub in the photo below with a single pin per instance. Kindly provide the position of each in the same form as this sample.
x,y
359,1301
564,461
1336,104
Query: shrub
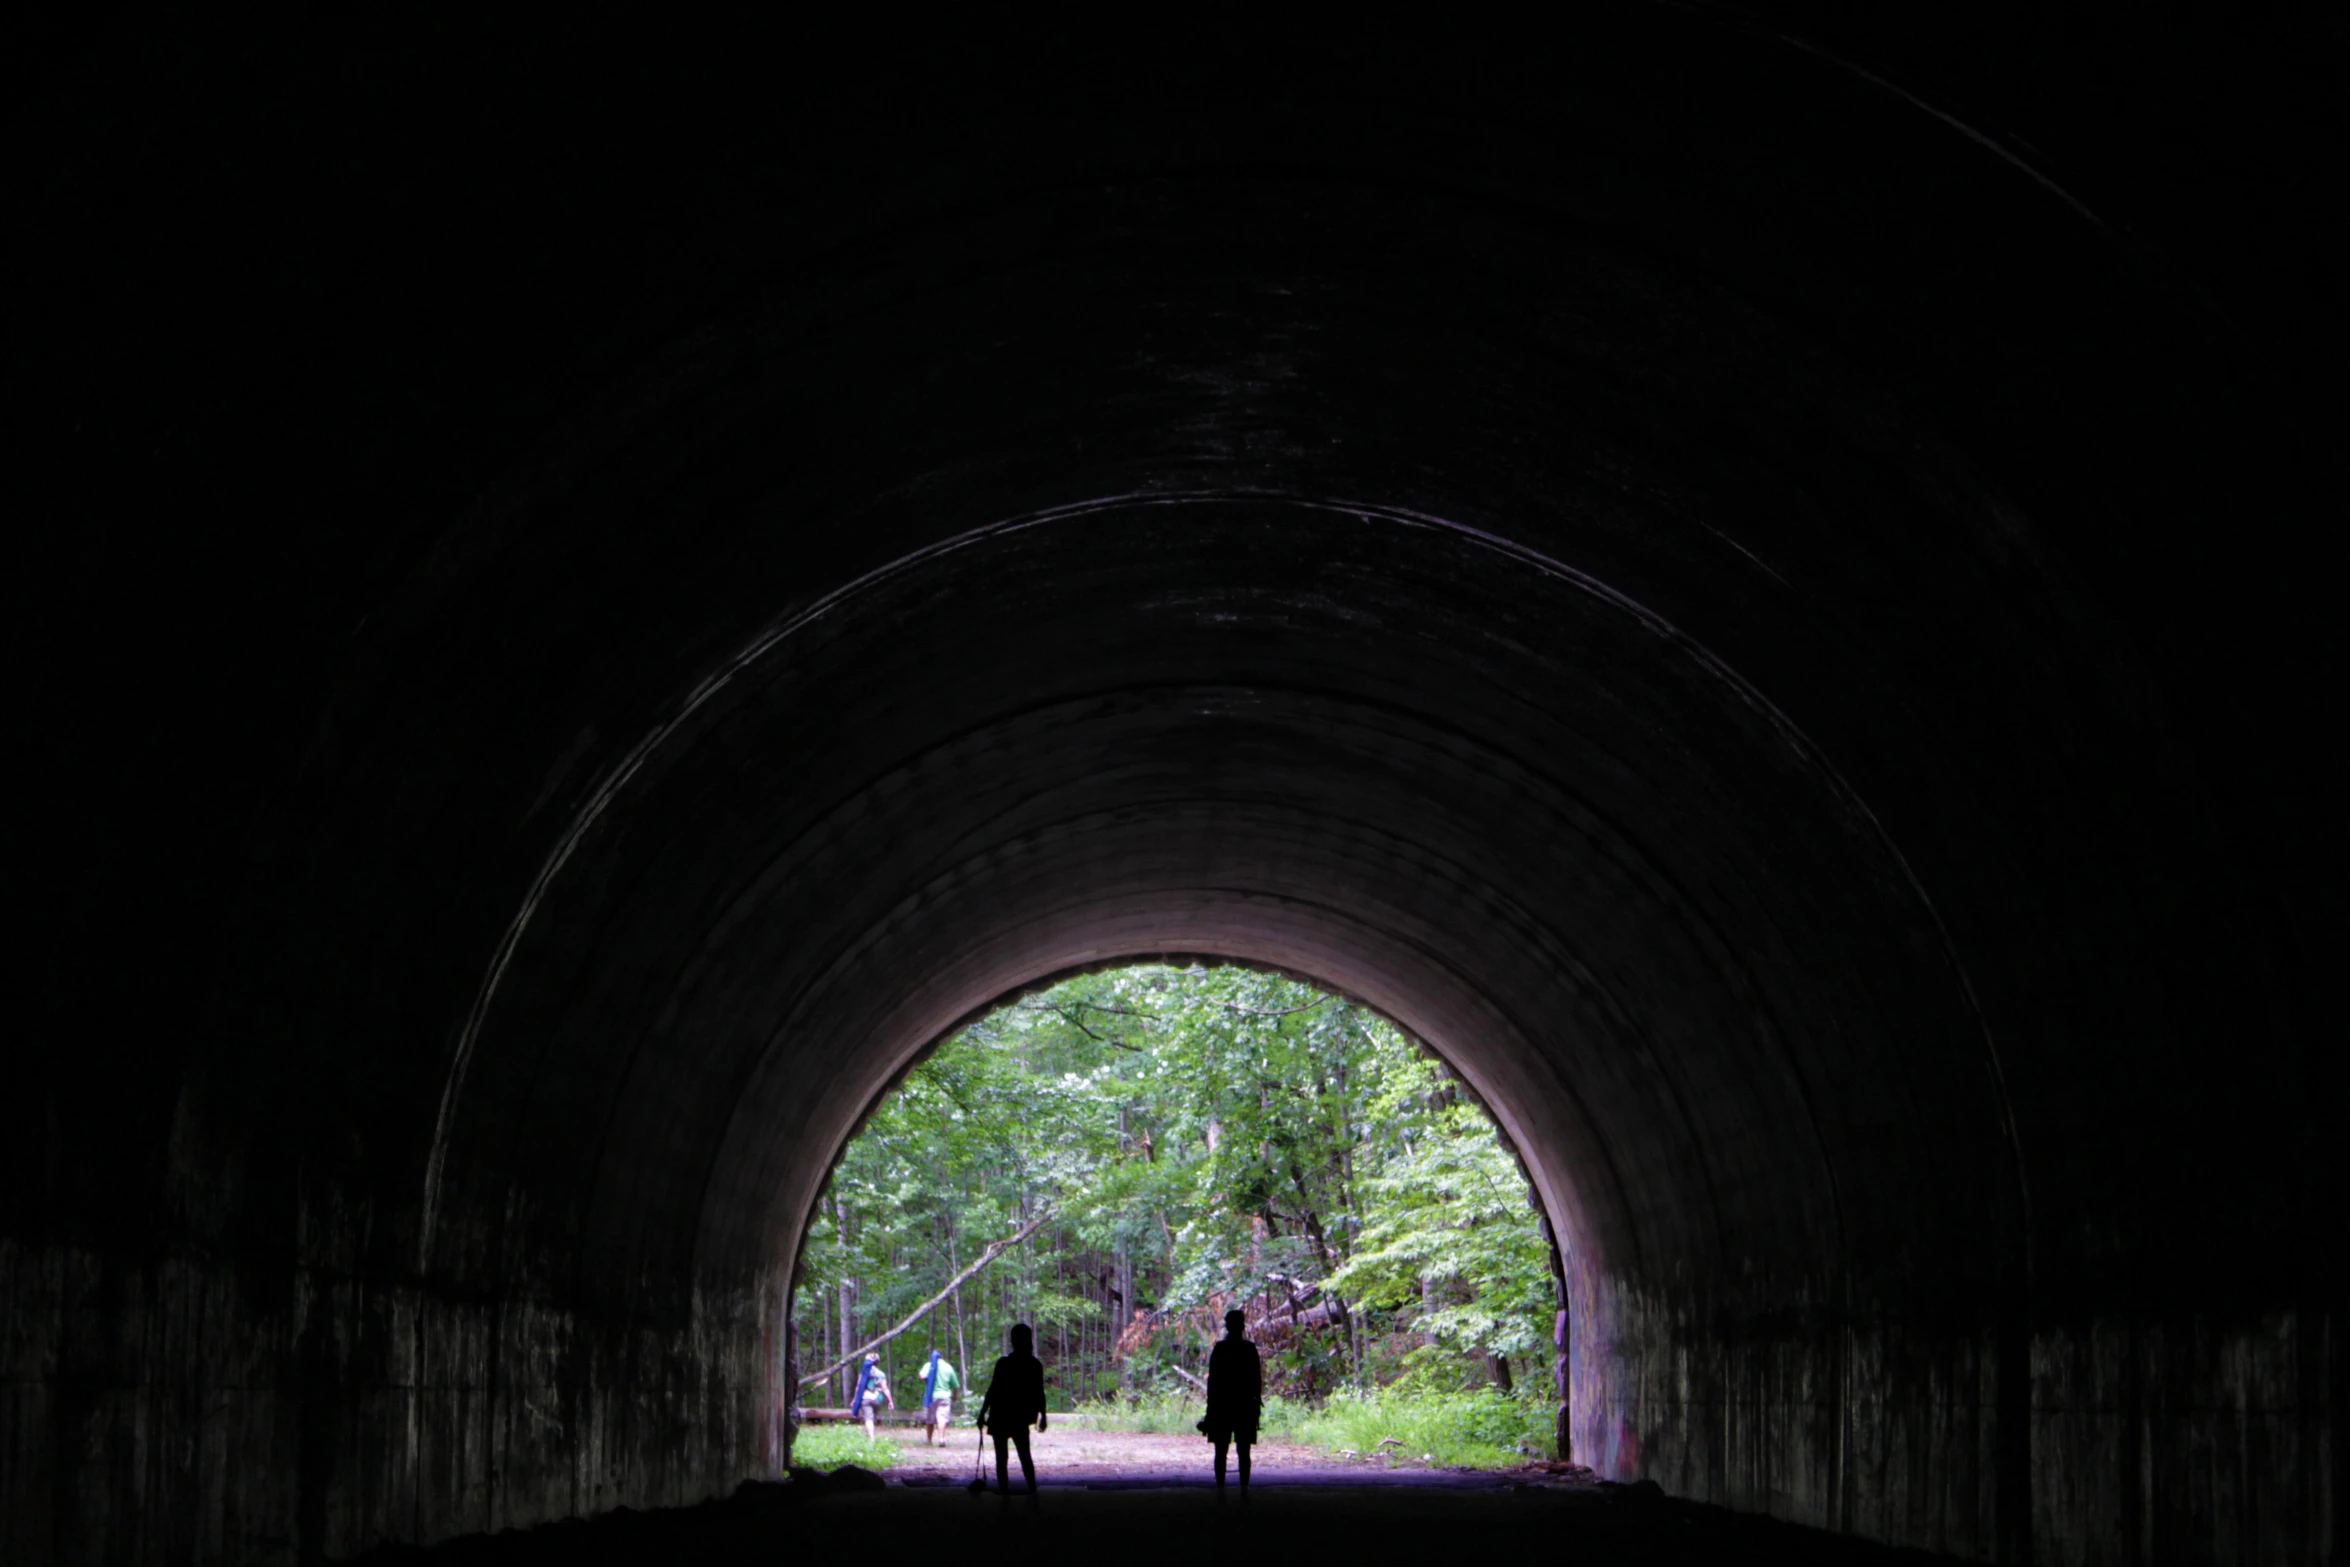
x,y
1480,1430
1146,1412
828,1447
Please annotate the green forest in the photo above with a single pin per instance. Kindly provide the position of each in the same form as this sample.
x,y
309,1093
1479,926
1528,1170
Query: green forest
x,y
1130,1153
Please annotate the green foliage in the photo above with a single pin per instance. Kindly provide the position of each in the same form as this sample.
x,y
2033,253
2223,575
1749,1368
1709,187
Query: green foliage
x,y
1179,1414
1159,1413
1451,1234
1478,1430
830,1446
1203,1137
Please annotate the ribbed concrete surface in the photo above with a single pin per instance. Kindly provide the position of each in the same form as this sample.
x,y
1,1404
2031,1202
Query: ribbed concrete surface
x,y
586,607
1160,1523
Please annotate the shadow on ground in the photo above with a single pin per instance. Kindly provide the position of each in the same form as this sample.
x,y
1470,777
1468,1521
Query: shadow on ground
x,y
1371,1519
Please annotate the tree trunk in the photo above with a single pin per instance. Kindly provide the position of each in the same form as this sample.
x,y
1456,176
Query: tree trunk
x,y
1123,1311
962,1348
848,1299
1313,1222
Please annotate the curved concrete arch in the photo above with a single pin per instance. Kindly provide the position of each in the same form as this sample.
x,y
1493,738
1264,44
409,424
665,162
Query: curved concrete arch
x,y
1256,758
584,604
844,604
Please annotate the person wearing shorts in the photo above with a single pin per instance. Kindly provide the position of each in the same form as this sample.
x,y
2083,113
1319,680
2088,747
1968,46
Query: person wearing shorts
x,y
872,1393
939,1382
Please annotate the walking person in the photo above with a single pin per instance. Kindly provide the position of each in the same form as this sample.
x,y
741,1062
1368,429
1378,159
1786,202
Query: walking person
x,y
939,1382
872,1391
1236,1395
1014,1398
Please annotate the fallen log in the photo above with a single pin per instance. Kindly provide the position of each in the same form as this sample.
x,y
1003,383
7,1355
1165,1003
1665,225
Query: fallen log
x,y
994,1250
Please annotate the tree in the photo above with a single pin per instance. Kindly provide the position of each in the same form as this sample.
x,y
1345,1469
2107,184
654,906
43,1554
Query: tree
x,y
1199,1136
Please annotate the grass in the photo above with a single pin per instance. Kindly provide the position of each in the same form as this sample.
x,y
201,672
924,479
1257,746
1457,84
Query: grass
x,y
829,1447
1476,1430
1479,1430
1155,1413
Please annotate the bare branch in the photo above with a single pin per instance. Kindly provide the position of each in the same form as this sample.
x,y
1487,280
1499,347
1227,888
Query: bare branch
x,y
1235,1006
994,1250
1096,1006
1076,1023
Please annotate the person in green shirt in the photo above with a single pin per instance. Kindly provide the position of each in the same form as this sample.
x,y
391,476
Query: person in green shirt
x,y
938,1396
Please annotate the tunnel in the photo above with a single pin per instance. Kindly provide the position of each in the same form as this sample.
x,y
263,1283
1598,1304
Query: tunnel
x,y
589,591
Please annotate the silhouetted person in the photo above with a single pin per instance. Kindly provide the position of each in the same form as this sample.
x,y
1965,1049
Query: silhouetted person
x,y
1236,1395
1015,1397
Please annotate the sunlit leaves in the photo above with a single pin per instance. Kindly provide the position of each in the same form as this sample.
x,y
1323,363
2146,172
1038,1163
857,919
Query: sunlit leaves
x,y
1227,1132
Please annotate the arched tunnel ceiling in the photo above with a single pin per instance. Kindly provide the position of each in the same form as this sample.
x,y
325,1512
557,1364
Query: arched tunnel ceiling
x,y
596,609
1210,722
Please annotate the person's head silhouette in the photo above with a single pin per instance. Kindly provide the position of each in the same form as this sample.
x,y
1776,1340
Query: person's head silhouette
x,y
1235,1323
1023,1341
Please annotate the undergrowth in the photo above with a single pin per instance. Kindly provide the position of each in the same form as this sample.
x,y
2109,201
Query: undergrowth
x,y
828,1447
1476,1430
1481,1429
1152,1413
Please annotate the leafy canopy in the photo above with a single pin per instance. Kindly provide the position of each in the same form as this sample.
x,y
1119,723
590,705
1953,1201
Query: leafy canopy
x,y
1201,1135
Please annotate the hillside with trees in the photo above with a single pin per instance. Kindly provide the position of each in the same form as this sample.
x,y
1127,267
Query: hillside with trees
x,y
1146,1147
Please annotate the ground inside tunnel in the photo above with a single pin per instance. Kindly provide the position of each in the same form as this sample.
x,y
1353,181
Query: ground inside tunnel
x,y
1382,1519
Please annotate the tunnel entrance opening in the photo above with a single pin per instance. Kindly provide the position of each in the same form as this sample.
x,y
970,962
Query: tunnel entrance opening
x,y
1123,1156
1506,807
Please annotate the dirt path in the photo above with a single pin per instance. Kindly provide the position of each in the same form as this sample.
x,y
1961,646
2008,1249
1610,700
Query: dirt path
x,y
1079,1454
1067,1455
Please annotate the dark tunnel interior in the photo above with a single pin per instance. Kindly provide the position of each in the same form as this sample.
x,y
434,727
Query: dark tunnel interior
x,y
584,591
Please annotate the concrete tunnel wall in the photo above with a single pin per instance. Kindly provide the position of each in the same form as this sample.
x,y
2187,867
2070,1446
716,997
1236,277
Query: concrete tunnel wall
x,y
570,642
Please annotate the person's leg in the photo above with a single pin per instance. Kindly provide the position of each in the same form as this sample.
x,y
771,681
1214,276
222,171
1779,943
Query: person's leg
x,y
868,1422
1003,1461
1221,1445
1244,1447
1027,1466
